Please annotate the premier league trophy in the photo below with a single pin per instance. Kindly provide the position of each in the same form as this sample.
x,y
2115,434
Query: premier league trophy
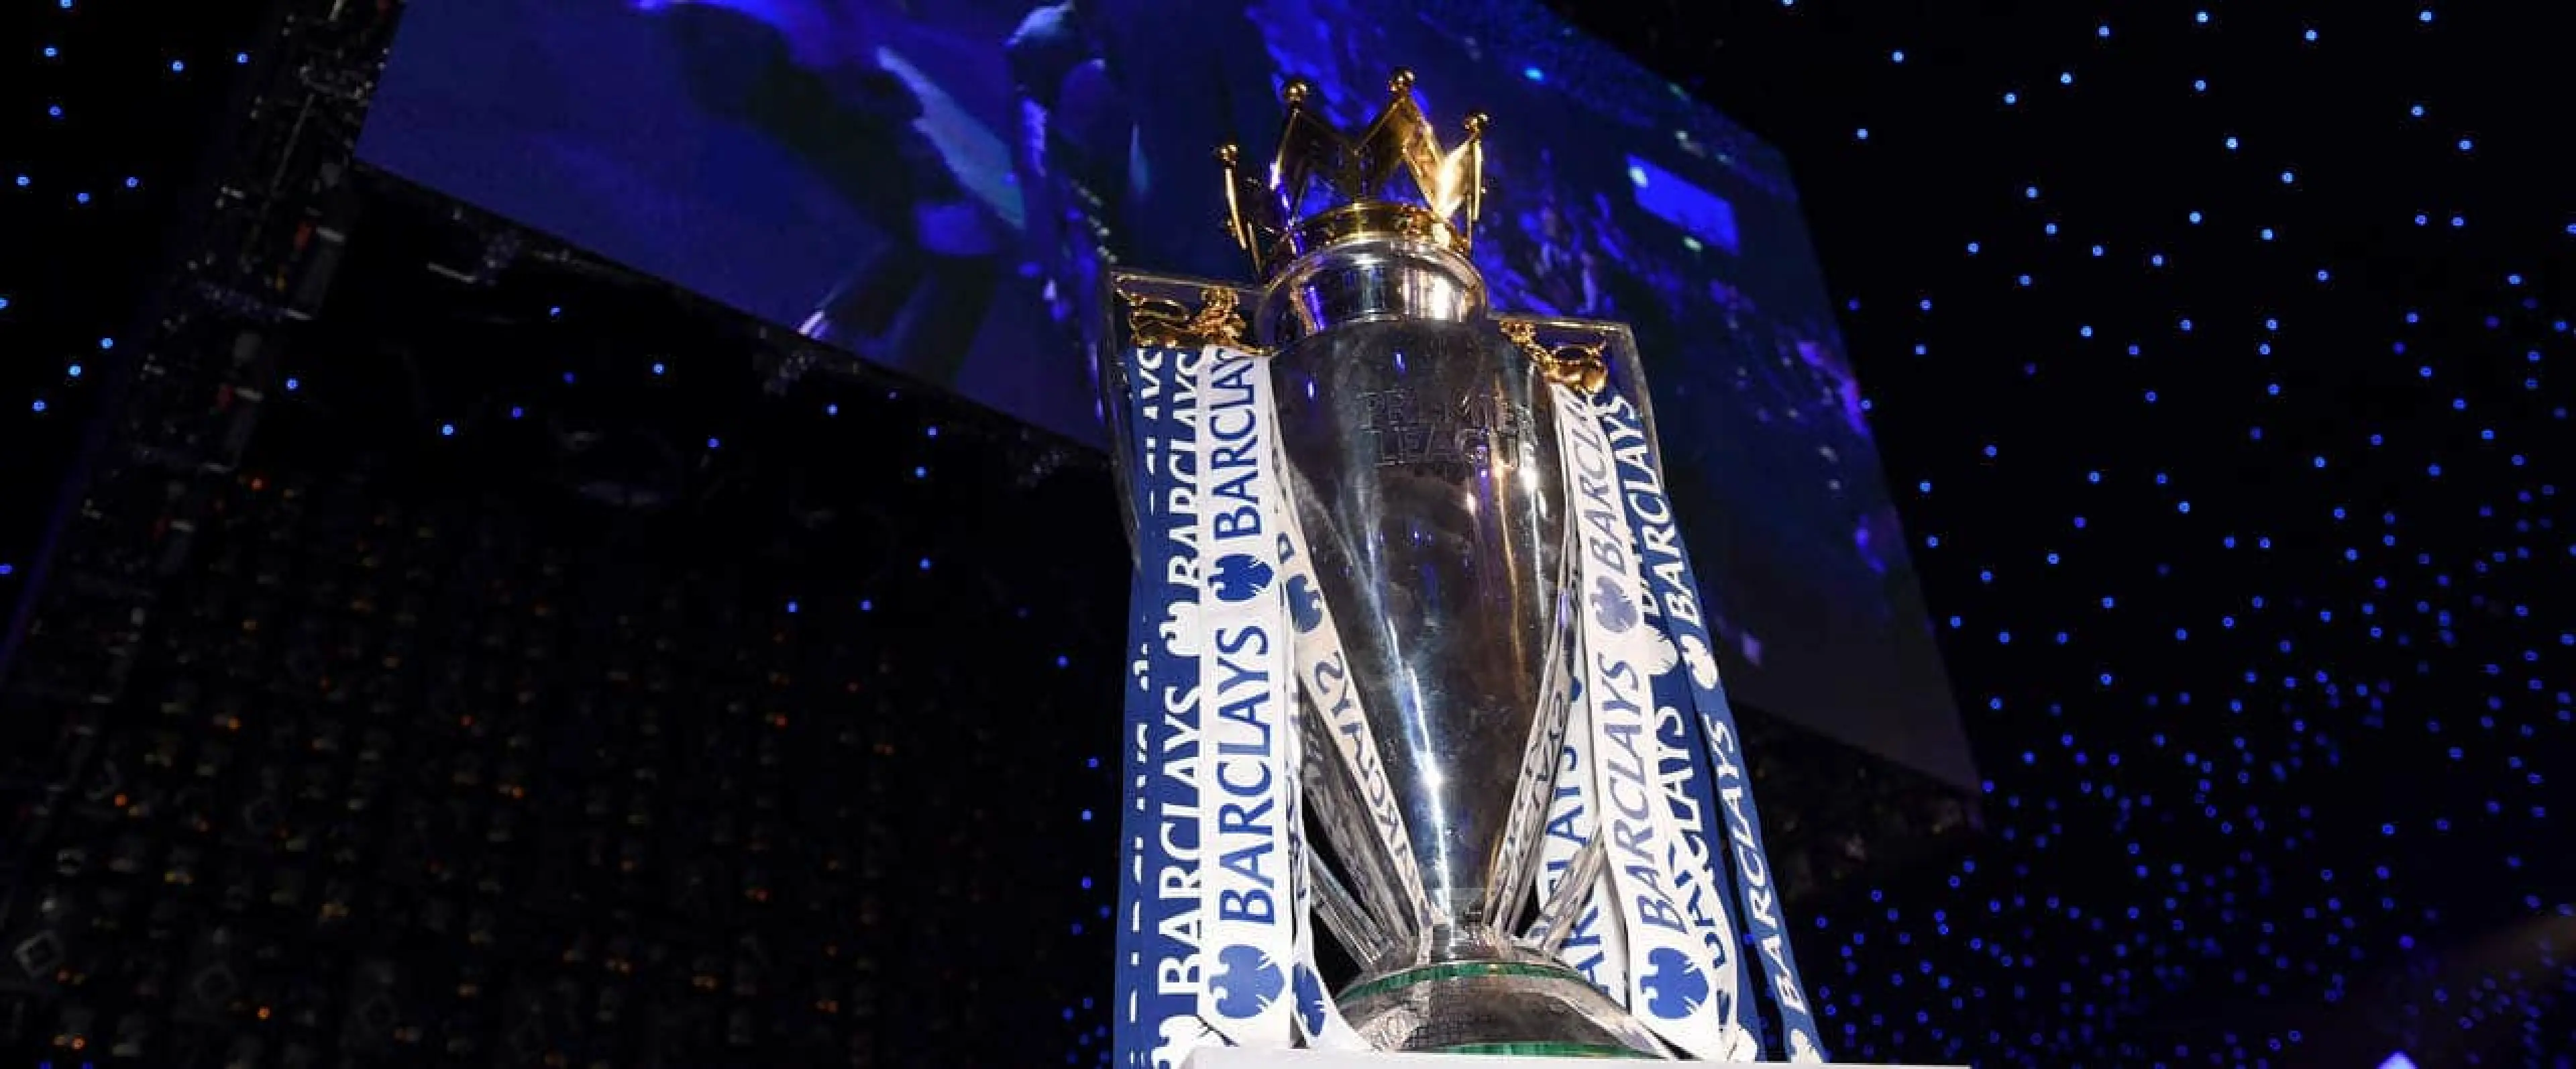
x,y
1407,578
1416,461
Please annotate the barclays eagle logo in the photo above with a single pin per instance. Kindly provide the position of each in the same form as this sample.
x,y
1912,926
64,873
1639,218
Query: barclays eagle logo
x,y
1305,606
1311,1000
1239,577
1247,981
1675,988
1612,606
1703,664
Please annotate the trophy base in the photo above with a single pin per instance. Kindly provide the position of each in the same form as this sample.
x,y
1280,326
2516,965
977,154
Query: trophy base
x,y
1516,1009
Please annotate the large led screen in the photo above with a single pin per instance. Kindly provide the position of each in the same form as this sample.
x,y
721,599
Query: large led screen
x,y
937,186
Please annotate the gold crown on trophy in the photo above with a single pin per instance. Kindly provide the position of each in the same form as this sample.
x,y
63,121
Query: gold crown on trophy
x,y
1353,181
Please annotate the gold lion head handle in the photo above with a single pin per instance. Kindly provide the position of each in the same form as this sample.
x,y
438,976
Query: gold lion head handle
x,y
1578,367
1161,322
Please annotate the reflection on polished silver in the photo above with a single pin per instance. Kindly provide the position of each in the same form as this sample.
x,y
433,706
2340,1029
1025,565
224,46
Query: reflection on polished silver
x,y
1420,457
1377,280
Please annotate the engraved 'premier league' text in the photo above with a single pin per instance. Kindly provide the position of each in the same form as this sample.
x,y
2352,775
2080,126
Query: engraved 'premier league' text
x,y
1400,427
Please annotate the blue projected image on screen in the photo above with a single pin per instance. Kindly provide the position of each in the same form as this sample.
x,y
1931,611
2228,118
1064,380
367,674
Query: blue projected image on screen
x,y
1670,197
939,187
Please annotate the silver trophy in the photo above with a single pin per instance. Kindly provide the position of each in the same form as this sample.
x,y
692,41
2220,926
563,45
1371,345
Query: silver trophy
x,y
1418,444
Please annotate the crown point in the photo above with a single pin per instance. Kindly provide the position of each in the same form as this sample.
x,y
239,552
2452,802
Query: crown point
x,y
1476,123
1296,91
1399,81
1228,154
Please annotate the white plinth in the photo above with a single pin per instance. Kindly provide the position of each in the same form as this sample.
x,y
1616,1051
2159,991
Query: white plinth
x,y
1240,1058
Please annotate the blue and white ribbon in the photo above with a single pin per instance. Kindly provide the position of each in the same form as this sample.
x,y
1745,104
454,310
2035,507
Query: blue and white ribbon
x,y
1595,947
1245,773
1159,938
1320,1025
1675,588
1676,974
